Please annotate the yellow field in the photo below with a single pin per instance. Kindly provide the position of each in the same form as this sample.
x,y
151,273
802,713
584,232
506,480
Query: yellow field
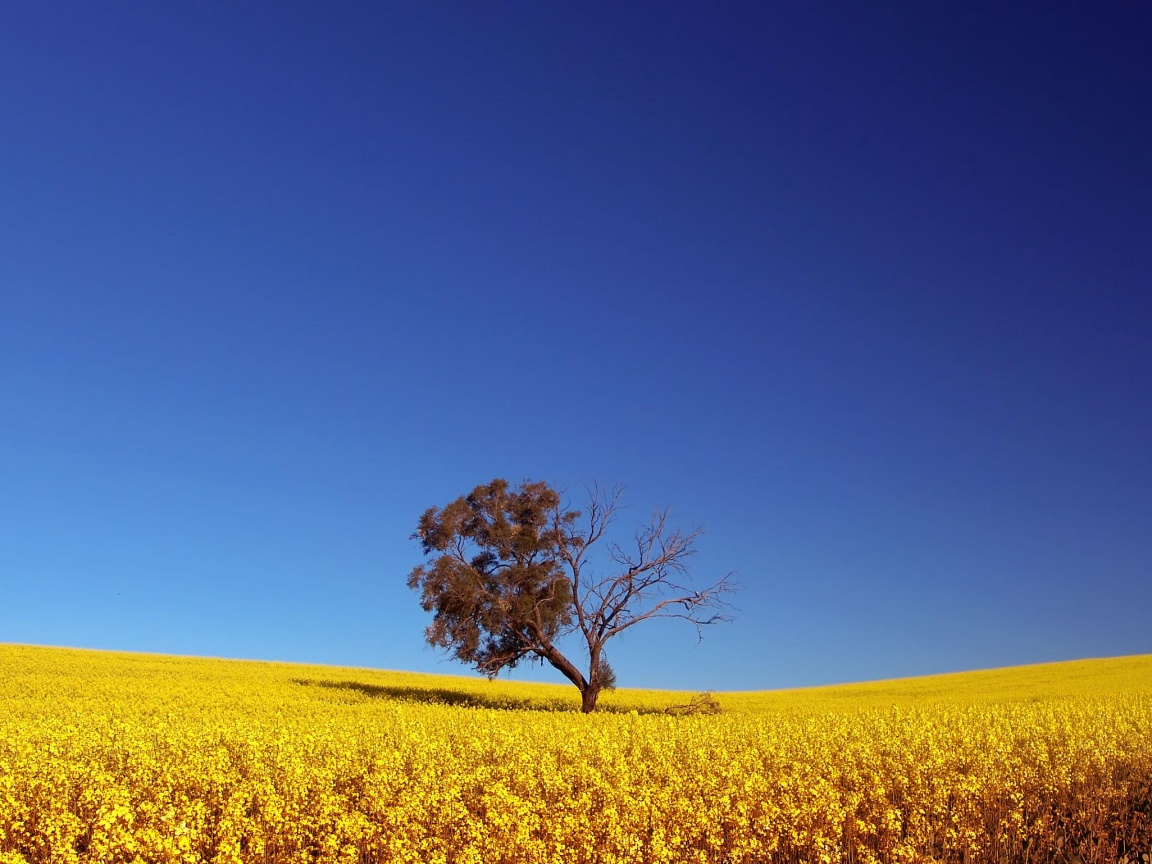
x,y
118,758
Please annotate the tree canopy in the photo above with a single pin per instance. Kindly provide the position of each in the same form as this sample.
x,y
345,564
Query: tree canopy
x,y
508,577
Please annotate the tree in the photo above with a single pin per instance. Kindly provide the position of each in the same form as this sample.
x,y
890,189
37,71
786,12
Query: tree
x,y
509,577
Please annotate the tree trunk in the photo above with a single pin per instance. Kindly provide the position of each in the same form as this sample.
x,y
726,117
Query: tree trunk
x,y
589,690
588,697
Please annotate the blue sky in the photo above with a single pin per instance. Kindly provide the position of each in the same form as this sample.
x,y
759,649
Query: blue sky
x,y
863,292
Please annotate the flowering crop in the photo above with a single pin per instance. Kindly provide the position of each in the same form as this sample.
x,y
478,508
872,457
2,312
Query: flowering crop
x,y
139,758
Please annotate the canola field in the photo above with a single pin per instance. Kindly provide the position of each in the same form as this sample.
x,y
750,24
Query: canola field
x,y
138,758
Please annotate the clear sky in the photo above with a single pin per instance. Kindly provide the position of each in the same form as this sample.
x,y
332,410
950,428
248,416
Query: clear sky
x,y
865,292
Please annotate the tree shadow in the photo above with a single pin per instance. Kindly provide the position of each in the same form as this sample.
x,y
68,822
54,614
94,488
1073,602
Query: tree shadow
x,y
443,696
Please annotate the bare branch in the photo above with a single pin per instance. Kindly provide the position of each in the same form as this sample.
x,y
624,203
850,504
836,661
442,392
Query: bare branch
x,y
700,608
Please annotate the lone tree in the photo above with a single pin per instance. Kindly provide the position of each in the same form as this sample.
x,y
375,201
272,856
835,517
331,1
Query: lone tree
x,y
509,577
